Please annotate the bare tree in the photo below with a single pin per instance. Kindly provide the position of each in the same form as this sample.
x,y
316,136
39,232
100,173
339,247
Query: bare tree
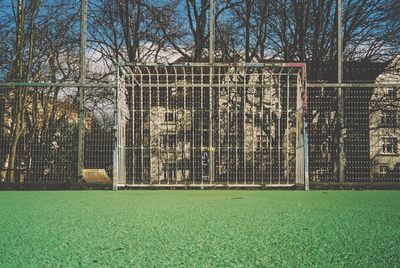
x,y
132,31
44,50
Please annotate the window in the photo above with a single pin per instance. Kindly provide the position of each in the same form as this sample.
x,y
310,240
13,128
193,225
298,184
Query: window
x,y
232,140
383,170
262,141
392,93
183,164
232,117
389,145
170,117
261,119
389,118
170,170
169,140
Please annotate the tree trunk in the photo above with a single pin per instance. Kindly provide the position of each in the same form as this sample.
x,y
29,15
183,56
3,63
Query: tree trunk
x,y
20,98
247,29
13,151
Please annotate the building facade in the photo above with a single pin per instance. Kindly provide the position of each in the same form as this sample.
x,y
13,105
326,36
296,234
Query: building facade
x,y
384,126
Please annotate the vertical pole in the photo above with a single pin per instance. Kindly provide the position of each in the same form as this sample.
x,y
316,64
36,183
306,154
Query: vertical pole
x,y
342,156
212,31
304,105
269,123
116,164
228,136
253,107
158,130
192,120
142,126
203,139
235,92
340,40
306,163
185,163
134,134
287,128
211,97
261,149
219,76
82,73
279,112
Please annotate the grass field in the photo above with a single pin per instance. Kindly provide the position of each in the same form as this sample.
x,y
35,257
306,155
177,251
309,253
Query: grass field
x,y
200,228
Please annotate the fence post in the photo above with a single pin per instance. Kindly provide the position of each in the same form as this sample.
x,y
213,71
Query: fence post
x,y
211,100
306,163
342,129
305,129
116,131
82,72
300,132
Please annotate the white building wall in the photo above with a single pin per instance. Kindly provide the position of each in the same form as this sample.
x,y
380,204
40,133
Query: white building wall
x,y
381,101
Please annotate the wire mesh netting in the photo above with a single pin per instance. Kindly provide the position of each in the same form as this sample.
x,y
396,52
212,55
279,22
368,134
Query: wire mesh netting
x,y
371,126
371,134
39,135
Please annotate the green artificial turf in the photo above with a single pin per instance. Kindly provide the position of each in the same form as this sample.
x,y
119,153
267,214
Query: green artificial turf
x,y
200,228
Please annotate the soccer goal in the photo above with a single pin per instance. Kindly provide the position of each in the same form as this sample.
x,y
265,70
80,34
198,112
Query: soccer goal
x,y
197,124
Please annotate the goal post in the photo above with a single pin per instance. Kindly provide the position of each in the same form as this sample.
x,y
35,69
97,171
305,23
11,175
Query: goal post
x,y
202,124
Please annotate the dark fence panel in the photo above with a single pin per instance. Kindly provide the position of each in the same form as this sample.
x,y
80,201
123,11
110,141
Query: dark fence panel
x,y
371,134
41,123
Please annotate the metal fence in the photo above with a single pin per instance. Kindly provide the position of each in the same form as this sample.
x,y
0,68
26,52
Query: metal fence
x,y
371,134
201,124
39,132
